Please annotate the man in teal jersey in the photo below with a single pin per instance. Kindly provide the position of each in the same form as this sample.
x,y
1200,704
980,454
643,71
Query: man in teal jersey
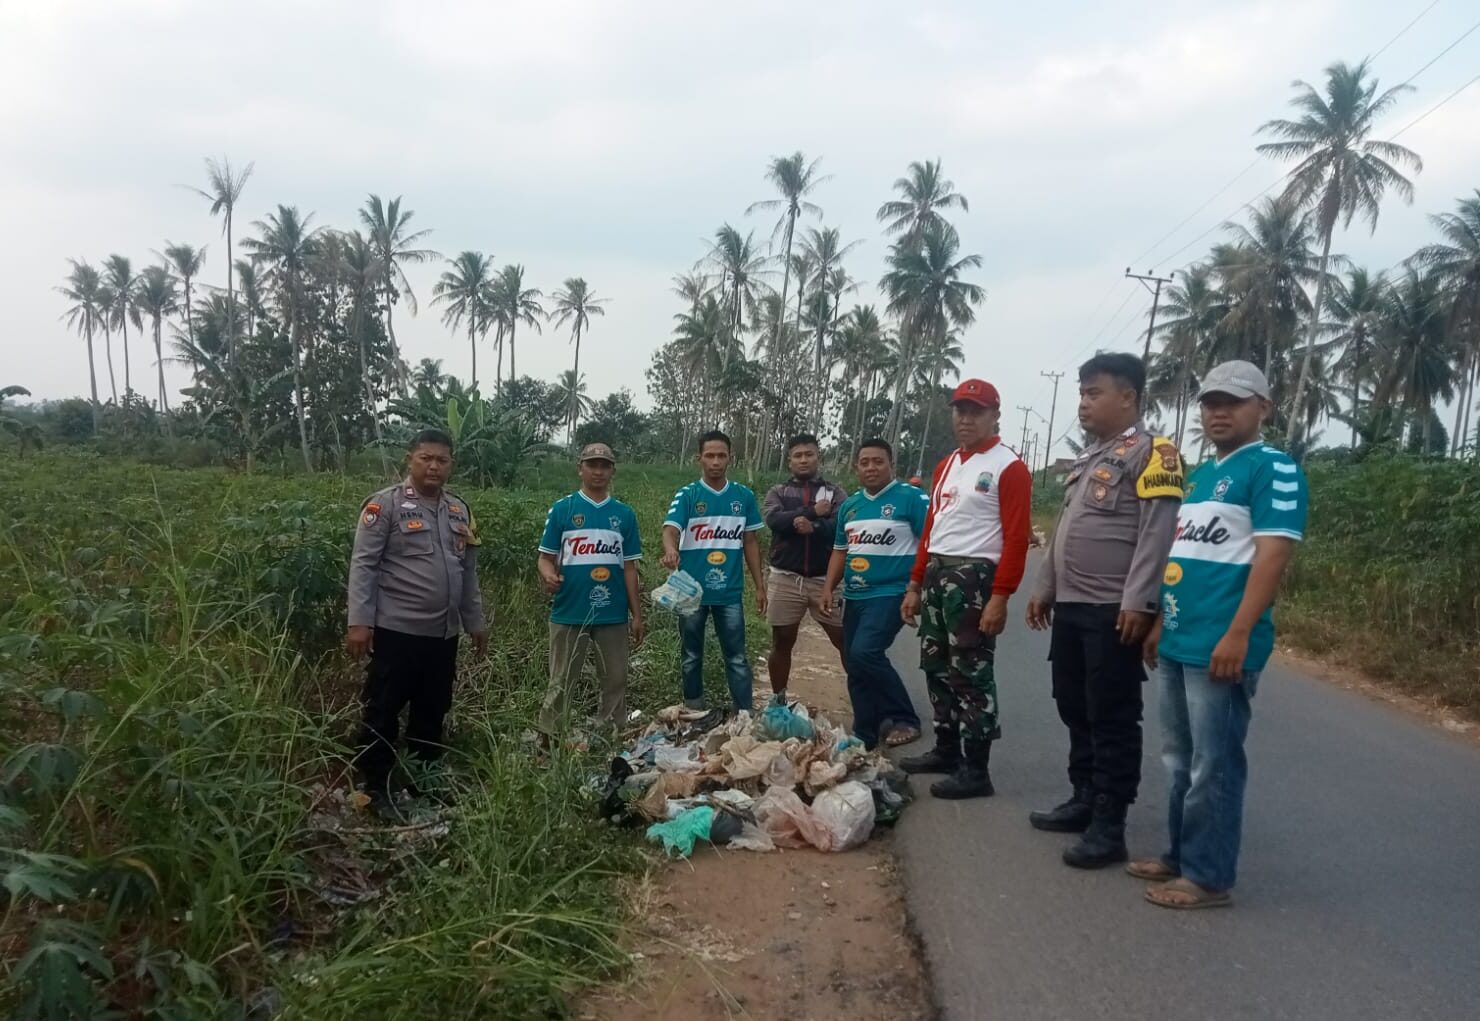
x,y
878,534
711,524
1245,510
588,563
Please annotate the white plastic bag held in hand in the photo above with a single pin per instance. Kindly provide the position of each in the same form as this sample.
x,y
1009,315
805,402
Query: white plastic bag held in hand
x,y
680,593
847,813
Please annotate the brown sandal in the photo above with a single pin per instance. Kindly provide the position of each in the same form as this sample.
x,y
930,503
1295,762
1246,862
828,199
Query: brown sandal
x,y
1185,895
1153,870
901,735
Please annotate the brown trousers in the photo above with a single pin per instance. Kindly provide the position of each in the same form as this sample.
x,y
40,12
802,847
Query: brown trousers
x,y
571,646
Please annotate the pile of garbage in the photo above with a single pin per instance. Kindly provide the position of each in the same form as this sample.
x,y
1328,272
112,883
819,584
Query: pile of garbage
x,y
784,778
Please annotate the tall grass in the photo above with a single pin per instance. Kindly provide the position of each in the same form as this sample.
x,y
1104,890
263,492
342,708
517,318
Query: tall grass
x,y
174,722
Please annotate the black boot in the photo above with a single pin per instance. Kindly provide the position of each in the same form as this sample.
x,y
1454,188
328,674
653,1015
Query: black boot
x,y
1104,842
971,779
1071,817
943,758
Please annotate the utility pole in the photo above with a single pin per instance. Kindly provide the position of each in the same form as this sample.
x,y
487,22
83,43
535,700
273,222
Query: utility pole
x,y
1146,280
1052,408
1032,446
1026,411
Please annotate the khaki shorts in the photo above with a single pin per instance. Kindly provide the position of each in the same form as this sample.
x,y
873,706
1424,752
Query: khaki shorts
x,y
790,597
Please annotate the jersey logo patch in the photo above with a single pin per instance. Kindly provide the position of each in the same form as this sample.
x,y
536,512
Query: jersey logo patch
x,y
701,507
600,573
735,508
888,512
578,520
858,564
1174,573
1222,488
984,482
717,557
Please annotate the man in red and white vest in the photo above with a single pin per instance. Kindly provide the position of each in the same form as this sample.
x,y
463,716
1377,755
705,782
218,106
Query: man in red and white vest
x,y
971,559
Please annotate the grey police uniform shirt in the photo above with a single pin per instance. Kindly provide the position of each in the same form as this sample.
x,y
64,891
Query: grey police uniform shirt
x,y
1114,534
414,567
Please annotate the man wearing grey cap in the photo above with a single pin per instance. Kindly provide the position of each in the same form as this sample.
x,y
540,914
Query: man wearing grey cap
x,y
588,564
1236,532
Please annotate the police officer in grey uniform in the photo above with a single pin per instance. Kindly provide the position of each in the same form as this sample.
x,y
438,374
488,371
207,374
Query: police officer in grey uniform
x,y
413,588
1098,588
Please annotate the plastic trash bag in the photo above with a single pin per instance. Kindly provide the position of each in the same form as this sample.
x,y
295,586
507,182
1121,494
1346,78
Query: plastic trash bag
x,y
822,775
778,723
677,758
678,835
846,814
781,814
679,593
752,838
744,757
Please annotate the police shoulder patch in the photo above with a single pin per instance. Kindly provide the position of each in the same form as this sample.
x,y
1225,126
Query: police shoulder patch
x,y
473,539
1164,475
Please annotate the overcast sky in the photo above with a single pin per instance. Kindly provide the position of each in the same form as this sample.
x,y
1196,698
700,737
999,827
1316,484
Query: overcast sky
x,y
607,140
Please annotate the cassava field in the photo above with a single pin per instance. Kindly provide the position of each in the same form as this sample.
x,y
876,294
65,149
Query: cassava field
x,y
175,840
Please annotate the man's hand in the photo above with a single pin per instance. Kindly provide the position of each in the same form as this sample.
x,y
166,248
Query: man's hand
x,y
1151,647
825,599
1229,654
480,643
760,599
802,525
639,630
909,610
823,507
670,559
1040,615
994,615
550,579
359,642
1134,626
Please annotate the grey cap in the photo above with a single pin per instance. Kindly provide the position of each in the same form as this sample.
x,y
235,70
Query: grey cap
x,y
1237,379
597,452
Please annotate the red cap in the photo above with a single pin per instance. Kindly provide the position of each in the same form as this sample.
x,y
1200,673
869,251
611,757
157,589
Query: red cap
x,y
977,391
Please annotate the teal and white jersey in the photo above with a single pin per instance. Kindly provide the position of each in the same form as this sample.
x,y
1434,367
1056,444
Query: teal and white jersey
x,y
1256,490
711,536
592,543
880,534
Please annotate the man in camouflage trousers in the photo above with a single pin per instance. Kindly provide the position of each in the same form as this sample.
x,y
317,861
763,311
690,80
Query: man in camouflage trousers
x,y
971,558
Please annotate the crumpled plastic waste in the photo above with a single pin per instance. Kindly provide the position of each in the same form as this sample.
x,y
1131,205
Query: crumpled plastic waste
x,y
846,813
677,759
822,775
779,722
752,838
654,803
744,757
679,835
786,820
679,593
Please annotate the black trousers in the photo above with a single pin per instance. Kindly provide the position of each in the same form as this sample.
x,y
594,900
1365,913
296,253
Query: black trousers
x,y
405,670
1097,686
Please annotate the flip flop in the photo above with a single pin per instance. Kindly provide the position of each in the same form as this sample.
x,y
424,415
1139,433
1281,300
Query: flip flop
x,y
902,735
1185,895
1153,870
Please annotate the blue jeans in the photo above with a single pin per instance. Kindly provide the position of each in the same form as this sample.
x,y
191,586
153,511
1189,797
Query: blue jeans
x,y
874,686
1203,726
729,628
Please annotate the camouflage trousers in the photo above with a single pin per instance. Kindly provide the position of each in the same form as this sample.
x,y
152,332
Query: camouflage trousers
x,y
957,658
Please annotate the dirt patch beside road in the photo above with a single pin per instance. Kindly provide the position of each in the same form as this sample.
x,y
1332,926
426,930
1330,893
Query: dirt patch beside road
x,y
796,935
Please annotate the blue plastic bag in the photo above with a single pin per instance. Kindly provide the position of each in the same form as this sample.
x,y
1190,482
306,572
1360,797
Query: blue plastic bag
x,y
679,834
778,723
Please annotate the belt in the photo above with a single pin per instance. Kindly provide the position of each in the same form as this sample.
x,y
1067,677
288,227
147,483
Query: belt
x,y
942,560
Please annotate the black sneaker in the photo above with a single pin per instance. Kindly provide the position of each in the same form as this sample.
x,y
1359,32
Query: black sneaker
x,y
968,781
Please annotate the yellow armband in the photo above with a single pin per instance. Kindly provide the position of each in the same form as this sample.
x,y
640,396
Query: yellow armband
x,y
1164,474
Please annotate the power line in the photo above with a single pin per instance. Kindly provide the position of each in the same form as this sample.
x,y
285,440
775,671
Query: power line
x,y
1467,33
1404,29
1436,106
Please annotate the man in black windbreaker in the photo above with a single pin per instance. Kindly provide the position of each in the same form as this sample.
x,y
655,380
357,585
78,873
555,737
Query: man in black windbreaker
x,y
802,513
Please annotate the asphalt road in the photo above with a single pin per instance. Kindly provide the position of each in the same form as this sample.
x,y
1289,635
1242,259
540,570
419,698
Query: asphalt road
x,y
1359,880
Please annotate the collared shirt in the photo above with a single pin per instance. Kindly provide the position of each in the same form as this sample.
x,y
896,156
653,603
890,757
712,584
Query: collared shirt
x,y
880,533
592,542
414,566
1113,535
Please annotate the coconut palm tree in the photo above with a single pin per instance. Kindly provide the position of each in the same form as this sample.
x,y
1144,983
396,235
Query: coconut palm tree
x,y
939,360
224,189
87,312
251,286
705,346
862,336
286,251
570,394
929,298
575,304
186,260
27,433
1457,262
1266,270
118,274
691,287
105,301
795,179
1193,309
825,249
514,304
923,194
158,299
1342,171
741,268
361,274
428,375
1420,367
464,289
1358,304
395,246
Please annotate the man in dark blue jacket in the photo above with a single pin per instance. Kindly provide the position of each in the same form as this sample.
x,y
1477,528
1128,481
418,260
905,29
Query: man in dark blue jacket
x,y
802,515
